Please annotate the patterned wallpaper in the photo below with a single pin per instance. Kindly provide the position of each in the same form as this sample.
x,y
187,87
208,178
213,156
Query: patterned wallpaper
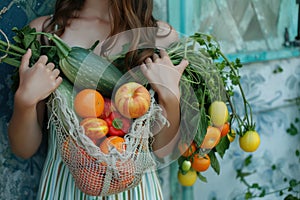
x,y
268,91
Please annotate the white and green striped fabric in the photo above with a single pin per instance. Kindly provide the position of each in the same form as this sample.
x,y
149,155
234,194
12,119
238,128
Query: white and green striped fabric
x,y
58,184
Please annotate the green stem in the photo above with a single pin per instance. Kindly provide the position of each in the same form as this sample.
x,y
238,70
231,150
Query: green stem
x,y
278,190
11,61
249,123
233,110
13,47
11,53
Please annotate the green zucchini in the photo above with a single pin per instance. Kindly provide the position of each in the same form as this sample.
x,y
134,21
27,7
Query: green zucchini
x,y
85,69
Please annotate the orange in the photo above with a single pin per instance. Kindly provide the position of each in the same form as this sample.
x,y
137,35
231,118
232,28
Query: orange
x,y
112,142
200,163
185,149
89,103
211,138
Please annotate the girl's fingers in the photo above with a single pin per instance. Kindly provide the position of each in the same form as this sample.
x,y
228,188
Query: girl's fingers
x,y
43,59
143,67
155,57
50,66
182,65
25,60
163,53
55,72
58,81
148,60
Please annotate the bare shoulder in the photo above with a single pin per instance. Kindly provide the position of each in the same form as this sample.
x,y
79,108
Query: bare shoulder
x,y
39,22
166,34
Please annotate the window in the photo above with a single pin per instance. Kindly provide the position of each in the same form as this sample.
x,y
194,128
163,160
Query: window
x,y
239,26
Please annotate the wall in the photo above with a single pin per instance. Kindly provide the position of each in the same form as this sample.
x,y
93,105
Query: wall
x,y
18,178
268,93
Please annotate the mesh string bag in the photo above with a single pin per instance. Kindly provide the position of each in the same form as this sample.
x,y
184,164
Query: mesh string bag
x,y
96,173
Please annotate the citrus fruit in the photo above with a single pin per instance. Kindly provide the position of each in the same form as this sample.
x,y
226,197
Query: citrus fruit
x,y
111,142
89,103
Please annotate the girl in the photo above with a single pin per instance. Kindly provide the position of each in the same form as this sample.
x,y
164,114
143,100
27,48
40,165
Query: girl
x,y
81,23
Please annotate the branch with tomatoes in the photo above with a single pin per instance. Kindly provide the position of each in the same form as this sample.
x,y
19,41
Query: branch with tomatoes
x,y
214,80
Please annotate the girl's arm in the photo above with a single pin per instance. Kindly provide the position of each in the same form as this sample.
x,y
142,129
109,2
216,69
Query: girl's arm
x,y
36,83
164,78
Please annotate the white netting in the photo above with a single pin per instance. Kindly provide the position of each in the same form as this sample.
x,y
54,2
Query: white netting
x,y
95,172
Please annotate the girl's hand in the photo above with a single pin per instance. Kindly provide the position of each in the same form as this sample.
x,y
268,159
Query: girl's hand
x,y
163,76
36,82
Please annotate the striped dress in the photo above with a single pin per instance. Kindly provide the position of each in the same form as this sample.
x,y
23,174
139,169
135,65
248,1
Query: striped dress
x,y
58,184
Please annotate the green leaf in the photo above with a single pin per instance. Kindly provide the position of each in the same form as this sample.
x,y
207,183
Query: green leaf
x,y
202,128
51,52
35,49
214,163
291,197
11,61
248,195
14,29
223,146
180,160
279,69
292,130
201,177
263,193
293,183
240,174
17,39
248,160
28,40
297,152
255,185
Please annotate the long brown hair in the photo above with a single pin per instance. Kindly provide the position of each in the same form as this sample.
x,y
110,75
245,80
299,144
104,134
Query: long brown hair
x,y
125,15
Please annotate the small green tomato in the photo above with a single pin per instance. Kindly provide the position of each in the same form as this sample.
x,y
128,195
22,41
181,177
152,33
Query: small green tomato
x,y
186,165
